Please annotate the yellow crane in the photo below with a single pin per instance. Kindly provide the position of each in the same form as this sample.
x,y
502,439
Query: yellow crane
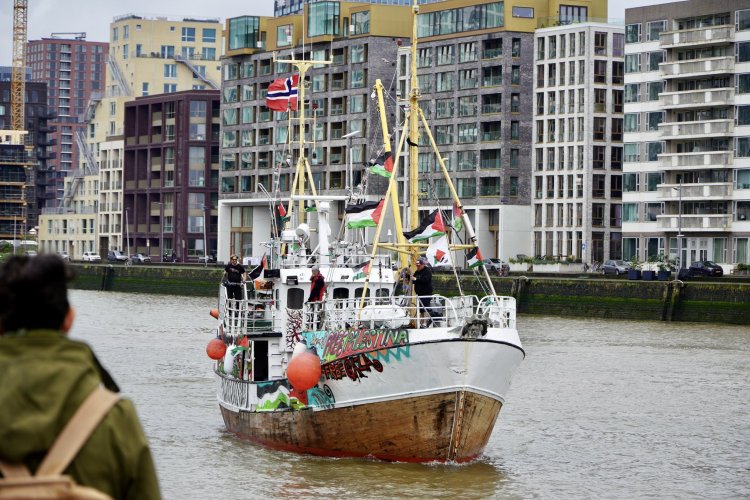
x,y
18,75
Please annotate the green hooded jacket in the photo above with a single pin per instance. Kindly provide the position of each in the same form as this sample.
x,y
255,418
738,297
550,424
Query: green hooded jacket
x,y
45,378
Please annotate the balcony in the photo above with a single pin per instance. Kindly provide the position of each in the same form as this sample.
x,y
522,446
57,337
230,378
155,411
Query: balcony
x,y
694,68
697,160
716,190
697,98
694,222
696,130
711,35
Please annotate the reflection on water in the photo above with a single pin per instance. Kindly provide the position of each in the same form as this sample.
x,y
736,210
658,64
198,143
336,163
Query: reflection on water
x,y
598,409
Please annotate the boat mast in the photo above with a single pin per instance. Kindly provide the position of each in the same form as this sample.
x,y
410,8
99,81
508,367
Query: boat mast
x,y
414,95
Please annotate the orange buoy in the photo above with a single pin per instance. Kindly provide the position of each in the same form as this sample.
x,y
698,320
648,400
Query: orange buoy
x,y
216,349
304,371
215,313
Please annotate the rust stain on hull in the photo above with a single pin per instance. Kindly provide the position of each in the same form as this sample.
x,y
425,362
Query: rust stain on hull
x,y
418,429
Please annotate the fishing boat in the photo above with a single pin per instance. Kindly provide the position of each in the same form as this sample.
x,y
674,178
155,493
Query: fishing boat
x,y
371,370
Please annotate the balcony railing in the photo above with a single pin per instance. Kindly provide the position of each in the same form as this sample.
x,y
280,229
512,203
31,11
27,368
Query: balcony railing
x,y
713,159
687,130
671,192
699,67
694,98
713,35
694,222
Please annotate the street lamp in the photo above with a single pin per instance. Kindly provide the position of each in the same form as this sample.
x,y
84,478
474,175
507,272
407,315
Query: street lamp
x,y
349,173
206,208
127,232
679,226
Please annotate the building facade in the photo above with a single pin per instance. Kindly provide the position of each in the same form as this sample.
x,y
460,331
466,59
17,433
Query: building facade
x,y
73,69
172,186
22,200
578,134
147,56
687,132
475,66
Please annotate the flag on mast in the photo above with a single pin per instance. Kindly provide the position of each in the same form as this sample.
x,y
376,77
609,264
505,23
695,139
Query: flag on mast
x,y
365,214
474,258
361,270
282,94
383,165
256,272
439,253
431,226
458,223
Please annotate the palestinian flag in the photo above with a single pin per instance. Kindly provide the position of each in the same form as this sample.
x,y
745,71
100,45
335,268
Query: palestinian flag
x,y
365,214
430,227
438,253
458,223
311,207
258,270
361,271
242,345
383,165
474,258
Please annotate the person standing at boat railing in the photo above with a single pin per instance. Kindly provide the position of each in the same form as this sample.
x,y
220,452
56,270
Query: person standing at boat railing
x,y
317,292
422,281
233,278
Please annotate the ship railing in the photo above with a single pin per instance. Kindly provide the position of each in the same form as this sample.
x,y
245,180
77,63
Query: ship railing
x,y
387,312
499,310
248,315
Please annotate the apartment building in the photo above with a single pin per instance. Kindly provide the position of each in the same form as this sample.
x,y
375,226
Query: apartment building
x,y
578,134
361,41
171,174
687,132
147,56
475,77
21,189
286,7
73,69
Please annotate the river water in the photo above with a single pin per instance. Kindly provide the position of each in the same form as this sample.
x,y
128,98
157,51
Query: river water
x,y
598,409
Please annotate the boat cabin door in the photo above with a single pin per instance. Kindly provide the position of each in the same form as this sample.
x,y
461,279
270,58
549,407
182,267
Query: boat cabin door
x,y
260,360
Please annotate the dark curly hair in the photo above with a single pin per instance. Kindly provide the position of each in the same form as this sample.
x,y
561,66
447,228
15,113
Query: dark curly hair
x,y
34,292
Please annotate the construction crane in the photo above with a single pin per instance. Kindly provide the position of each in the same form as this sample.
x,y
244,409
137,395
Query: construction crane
x,y
18,75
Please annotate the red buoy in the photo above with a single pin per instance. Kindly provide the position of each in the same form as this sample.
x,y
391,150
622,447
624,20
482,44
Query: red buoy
x,y
304,371
215,313
216,349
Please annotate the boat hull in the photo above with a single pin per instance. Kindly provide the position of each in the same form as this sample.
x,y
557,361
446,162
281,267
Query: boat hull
x,y
453,426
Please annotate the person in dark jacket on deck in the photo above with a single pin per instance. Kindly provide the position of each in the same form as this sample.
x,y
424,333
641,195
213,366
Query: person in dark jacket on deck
x,y
317,286
422,281
45,378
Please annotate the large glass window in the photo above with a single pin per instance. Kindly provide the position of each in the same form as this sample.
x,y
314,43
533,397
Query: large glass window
x,y
244,32
477,17
633,33
323,19
743,20
361,22
284,35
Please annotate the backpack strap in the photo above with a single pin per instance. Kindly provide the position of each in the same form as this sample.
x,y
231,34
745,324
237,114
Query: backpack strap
x,y
77,431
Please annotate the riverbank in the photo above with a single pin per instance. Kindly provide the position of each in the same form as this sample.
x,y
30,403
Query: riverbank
x,y
724,300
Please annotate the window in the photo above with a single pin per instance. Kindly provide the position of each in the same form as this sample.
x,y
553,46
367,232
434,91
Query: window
x,y
654,119
600,128
600,71
284,35
515,103
633,33
170,71
444,82
244,32
573,14
170,87
443,108
600,43
467,52
743,51
525,12
654,58
618,44
360,23
492,76
468,79
467,133
632,92
514,130
467,105
632,63
632,122
653,90
632,152
515,50
445,55
358,53
515,75
653,150
358,78
144,89
188,34
654,29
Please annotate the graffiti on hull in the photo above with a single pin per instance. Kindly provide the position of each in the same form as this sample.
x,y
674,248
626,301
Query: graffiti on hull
x,y
339,344
275,395
355,367
321,397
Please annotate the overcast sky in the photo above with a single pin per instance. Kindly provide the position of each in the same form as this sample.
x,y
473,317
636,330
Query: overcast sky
x,y
94,16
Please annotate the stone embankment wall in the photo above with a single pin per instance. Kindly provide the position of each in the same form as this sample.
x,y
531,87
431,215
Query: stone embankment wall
x,y
716,301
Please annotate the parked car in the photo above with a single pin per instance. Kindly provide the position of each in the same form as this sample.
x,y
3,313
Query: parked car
x,y
116,256
64,256
30,253
140,258
615,267
496,266
91,257
706,268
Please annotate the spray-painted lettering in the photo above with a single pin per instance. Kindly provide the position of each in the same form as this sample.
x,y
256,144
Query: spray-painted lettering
x,y
342,343
353,367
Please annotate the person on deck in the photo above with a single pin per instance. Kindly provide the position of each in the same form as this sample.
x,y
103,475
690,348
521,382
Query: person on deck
x,y
234,275
422,281
47,376
317,285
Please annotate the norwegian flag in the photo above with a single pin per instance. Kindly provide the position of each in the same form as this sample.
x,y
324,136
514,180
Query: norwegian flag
x,y
282,94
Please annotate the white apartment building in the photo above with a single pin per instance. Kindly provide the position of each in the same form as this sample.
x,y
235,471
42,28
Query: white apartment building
x,y
578,133
687,132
